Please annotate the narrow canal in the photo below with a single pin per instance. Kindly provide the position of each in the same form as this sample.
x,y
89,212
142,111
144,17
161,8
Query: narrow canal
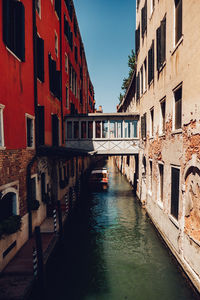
x,y
112,252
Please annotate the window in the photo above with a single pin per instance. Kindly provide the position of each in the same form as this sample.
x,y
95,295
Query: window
x,y
143,126
144,18
161,43
43,186
138,86
150,175
14,27
90,129
151,63
29,131
142,83
1,126
83,130
145,74
175,179
56,44
55,130
33,188
66,63
178,20
152,122
137,40
38,7
54,78
178,108
58,7
163,112
67,97
161,182
40,59
76,54
40,125
76,129
8,206
69,129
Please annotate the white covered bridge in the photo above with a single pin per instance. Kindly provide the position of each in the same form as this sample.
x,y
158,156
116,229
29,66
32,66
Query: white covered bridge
x,y
103,133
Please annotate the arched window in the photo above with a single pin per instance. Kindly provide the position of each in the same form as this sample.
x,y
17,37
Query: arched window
x,y
8,206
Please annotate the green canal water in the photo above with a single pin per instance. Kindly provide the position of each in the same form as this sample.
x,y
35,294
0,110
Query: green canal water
x,y
111,251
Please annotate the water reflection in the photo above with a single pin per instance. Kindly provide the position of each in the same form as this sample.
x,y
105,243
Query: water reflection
x,y
112,252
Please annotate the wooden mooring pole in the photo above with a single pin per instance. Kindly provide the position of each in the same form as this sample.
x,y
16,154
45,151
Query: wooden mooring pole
x,y
40,261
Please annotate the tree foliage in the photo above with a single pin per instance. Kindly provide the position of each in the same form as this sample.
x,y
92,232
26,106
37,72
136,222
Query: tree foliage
x,y
127,80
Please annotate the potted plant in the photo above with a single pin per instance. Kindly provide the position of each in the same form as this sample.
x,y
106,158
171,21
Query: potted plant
x,y
34,205
10,225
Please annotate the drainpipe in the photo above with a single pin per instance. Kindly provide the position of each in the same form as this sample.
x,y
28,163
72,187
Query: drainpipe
x,y
29,166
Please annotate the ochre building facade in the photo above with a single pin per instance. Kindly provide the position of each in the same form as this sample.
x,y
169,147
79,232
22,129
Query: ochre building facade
x,y
165,91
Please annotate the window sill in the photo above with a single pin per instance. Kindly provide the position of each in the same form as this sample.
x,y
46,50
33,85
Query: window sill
x,y
2,147
162,67
177,45
151,82
160,204
30,148
176,131
174,221
15,56
161,135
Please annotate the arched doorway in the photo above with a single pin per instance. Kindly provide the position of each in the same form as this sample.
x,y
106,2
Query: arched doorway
x,y
8,206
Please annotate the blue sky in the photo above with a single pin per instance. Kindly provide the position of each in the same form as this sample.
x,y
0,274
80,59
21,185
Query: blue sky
x,y
108,32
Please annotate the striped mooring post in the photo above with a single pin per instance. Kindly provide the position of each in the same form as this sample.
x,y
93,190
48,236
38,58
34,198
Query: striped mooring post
x,y
55,220
66,204
35,262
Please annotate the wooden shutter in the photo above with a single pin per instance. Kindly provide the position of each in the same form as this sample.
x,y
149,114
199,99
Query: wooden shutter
x,y
57,84
58,7
6,22
178,17
40,58
178,108
41,125
152,70
149,65
163,40
20,30
158,44
55,136
175,192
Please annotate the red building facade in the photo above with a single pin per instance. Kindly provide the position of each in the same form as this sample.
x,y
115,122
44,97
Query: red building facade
x,y
44,78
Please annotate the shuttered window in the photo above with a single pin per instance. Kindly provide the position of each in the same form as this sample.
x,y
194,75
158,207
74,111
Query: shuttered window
x,y
141,75
175,174
54,78
40,58
58,7
29,132
144,18
76,54
138,87
178,108
162,108
143,126
161,43
152,121
137,40
178,20
14,27
161,181
151,63
55,130
40,125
